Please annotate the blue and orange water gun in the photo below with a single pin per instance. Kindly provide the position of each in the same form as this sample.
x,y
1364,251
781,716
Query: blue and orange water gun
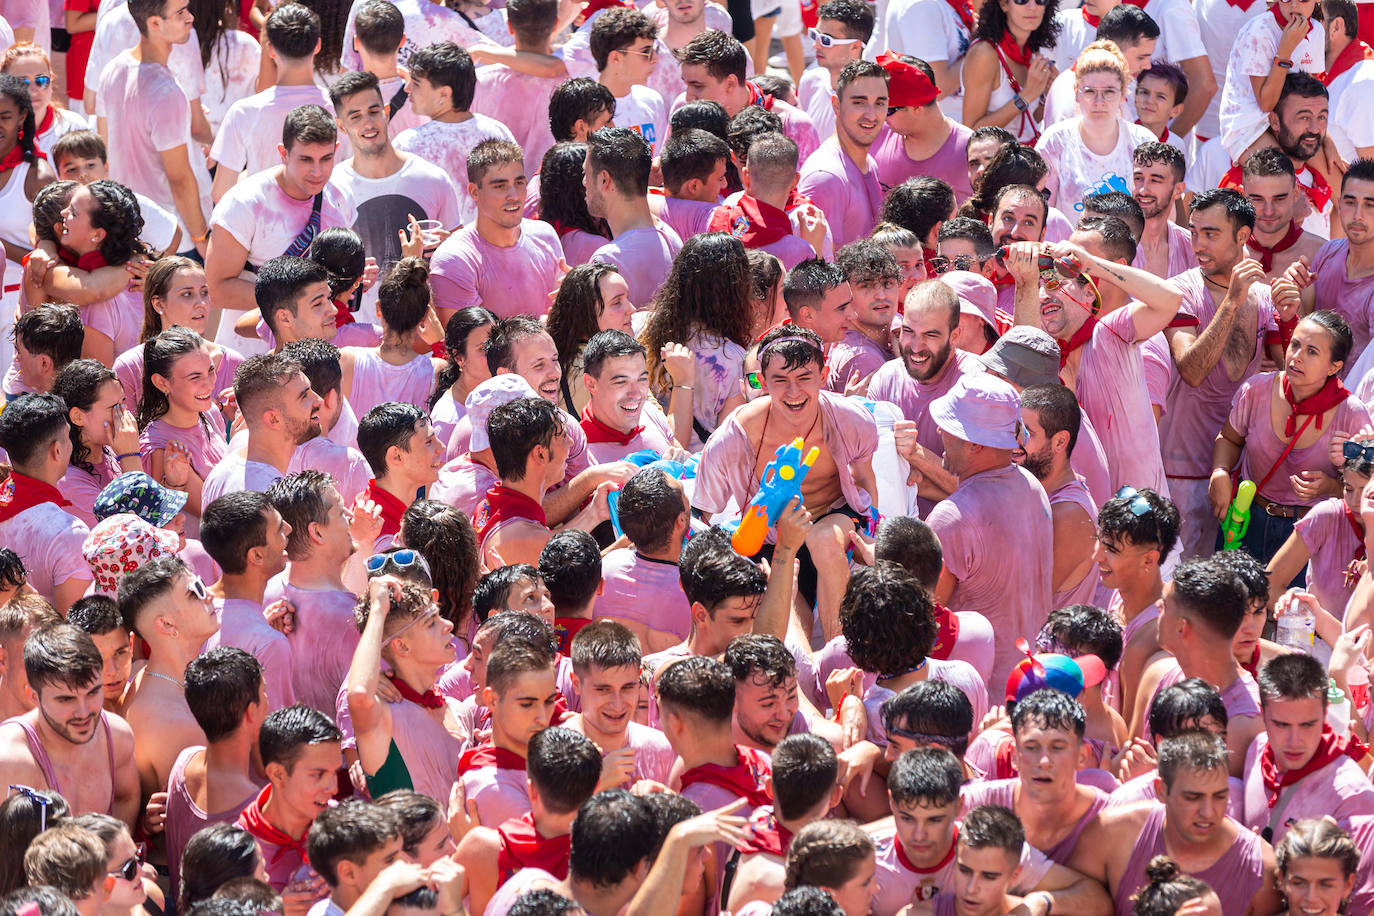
x,y
780,483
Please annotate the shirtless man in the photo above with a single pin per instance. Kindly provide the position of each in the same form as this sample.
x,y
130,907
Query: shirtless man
x,y
840,490
170,608
67,743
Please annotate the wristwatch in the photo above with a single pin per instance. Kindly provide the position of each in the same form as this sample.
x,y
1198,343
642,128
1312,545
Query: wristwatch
x,y
1283,63
1020,103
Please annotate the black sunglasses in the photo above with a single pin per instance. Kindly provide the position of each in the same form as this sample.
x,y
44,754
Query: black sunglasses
x,y
1350,450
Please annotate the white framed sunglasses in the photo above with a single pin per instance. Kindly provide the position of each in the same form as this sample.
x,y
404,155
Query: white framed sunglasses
x,y
829,41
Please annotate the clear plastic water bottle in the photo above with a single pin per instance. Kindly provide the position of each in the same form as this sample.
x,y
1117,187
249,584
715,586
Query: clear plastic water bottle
x,y
1296,626
1337,709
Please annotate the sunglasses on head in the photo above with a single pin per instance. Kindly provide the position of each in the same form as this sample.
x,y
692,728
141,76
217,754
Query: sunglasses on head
x,y
401,559
829,41
41,799
129,870
1139,506
1350,450
42,82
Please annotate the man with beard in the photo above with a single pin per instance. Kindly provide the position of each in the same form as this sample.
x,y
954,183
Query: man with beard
x,y
927,366
1270,183
1165,248
1100,359
1051,416
1342,271
280,412
67,743
841,177
1217,340
399,444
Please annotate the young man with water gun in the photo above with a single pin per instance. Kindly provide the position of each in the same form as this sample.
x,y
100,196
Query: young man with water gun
x,y
839,489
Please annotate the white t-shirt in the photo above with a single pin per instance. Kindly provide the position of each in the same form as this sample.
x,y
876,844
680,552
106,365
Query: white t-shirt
x,y
1074,35
813,97
264,220
643,112
1180,38
1242,122
1209,166
231,74
1350,120
928,29
1077,171
116,32
247,140
447,145
159,224
426,23
1221,22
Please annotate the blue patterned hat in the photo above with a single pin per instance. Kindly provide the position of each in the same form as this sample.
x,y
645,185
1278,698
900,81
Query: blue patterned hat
x,y
137,493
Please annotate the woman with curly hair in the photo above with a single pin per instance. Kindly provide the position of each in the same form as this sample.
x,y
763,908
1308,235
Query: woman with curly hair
x,y
593,297
103,433
563,202
444,537
465,335
400,368
705,305
1006,73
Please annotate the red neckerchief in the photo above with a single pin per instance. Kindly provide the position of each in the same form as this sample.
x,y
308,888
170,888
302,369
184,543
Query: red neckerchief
x,y
1350,55
1282,20
599,433
1163,138
1266,255
565,628
342,315
947,635
429,699
522,846
964,10
48,118
1330,395
20,492
502,503
744,779
489,755
909,866
1002,767
1319,191
392,508
1332,747
595,6
752,221
254,822
16,155
91,260
1252,666
1079,338
1092,21
1242,5
758,97
1014,52
767,834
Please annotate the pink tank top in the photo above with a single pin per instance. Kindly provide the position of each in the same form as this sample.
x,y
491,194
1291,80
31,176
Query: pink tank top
x,y
1236,876
375,381
185,818
40,756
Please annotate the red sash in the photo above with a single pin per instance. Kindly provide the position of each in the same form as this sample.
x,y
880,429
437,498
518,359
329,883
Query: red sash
x,y
501,504
947,635
598,432
767,834
1319,192
522,846
744,779
595,6
91,260
1332,747
565,628
752,221
20,492
392,508
1003,768
254,822
16,156
489,755
49,116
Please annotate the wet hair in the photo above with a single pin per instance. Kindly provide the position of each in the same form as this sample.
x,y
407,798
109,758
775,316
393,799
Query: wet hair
x,y
214,855
319,360
54,330
156,284
47,901
116,211
543,901
711,573
973,231
459,328
703,114
1013,164
505,334
1193,750
445,538
1057,409
380,27
78,384
350,831
389,424
623,154
1118,204
888,619
419,815
919,205
513,657
293,30
340,252
1182,706
220,686
1207,591
649,507
699,685
300,498
993,827
61,655
232,525
1239,211
750,123
516,429
864,259
605,345
21,816
765,274
1050,710
777,85
617,30
806,901
48,205
1127,27
1167,888
1158,527
1359,170
1249,570
1117,242
29,425
1082,629
1267,162
570,565
806,284
236,895
827,853
796,346
890,236
564,766
992,25
18,93
804,773
705,293
929,776
562,198
1337,331
937,711
68,857
689,153
604,643
856,16
283,280
1317,838
287,732
1153,151
574,317
1284,677
577,99
96,615
857,70
446,64
720,53
611,835
12,574
146,584
490,153
668,809
493,589
760,654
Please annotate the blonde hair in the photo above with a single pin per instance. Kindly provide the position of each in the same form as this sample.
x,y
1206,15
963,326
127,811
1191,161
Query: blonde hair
x,y
23,49
1102,56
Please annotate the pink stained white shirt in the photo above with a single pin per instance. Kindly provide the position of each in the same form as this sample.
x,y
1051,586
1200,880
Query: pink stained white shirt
x,y
324,639
264,219
128,368
80,487
1003,792
1333,545
643,257
899,882
376,381
578,459
1352,299
428,749
644,112
1250,417
344,463
120,319
654,756
644,592
1194,415
468,270
1240,697
995,529
856,357
1075,492
1077,171
719,369
185,818
815,94
1339,789
204,441
849,195
444,416
48,539
949,163
463,484
1110,385
248,137
579,246
1181,256
685,217
234,473
426,23
655,433
520,101
447,145
243,626
499,793
1242,121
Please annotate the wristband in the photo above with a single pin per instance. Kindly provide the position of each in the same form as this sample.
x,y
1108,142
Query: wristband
x,y
206,236
1283,63
126,455
683,387
1020,103
1049,900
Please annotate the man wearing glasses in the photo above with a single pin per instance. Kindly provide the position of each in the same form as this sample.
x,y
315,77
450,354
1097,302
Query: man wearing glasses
x,y
624,44
842,28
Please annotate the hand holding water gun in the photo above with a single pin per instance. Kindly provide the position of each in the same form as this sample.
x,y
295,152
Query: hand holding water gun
x,y
781,481
1237,519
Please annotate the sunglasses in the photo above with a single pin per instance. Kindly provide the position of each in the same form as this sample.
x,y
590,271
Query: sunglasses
x,y
754,380
42,82
1139,506
197,588
942,265
648,53
401,559
1350,450
1024,2
829,41
42,799
129,870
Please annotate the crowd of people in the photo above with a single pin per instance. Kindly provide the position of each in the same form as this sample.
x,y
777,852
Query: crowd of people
x,y
396,395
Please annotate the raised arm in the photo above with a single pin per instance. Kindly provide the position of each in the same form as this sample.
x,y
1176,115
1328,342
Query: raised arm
x,y
1156,300
371,718
1196,355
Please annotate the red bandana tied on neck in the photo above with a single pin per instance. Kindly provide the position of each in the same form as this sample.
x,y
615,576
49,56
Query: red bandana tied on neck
x,y
91,260
947,634
392,508
964,9
938,866
1092,21
1252,666
1079,338
767,834
599,433
343,316
1002,767
20,492
1266,255
501,504
752,221
253,820
1014,52
16,155
429,699
1350,55
1282,20
758,97
489,755
1332,747
744,779
48,117
1315,187
522,846
1330,395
